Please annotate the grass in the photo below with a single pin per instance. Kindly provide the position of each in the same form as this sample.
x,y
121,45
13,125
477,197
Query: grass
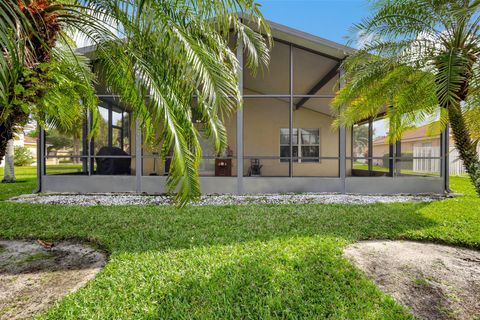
x,y
237,262
364,166
27,181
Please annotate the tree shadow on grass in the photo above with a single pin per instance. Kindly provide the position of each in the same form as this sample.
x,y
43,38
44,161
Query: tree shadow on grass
x,y
232,262
295,278
301,278
147,228
14,182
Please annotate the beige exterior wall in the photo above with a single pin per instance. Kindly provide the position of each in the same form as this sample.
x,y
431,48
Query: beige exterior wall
x,y
407,145
230,126
329,144
379,150
263,119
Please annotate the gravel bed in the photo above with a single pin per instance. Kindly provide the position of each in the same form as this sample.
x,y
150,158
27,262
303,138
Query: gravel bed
x,y
304,198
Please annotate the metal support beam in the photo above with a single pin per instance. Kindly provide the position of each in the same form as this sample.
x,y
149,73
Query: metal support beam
x,y
391,153
40,157
138,156
290,116
320,84
445,154
343,149
343,157
90,146
85,145
110,130
391,160
370,146
398,154
240,189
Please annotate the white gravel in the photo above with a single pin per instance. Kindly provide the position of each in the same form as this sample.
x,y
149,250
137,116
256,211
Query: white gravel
x,y
304,198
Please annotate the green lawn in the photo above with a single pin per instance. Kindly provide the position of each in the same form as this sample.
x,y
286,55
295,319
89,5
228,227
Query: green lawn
x,y
236,262
26,179
364,166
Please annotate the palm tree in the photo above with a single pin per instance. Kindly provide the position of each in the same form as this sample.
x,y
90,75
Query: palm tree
x,y
36,64
360,136
418,56
157,55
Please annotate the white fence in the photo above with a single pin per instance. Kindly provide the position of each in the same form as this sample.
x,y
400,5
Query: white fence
x,y
456,165
426,165
433,165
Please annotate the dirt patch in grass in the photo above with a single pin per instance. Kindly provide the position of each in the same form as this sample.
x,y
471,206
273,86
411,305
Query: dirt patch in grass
x,y
433,281
32,277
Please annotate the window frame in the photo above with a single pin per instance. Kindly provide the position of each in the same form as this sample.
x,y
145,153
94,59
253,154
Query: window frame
x,y
122,130
298,144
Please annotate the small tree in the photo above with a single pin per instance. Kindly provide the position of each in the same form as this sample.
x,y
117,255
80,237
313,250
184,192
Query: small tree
x,y
23,156
360,138
154,54
418,56
57,140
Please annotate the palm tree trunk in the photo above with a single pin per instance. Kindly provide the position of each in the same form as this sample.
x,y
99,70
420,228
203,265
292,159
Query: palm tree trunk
x,y
464,144
6,134
9,172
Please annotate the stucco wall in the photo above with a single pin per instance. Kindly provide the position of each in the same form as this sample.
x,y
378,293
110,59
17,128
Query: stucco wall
x,y
263,119
230,126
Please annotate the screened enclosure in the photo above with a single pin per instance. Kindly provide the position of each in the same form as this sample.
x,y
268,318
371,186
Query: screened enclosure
x,y
282,139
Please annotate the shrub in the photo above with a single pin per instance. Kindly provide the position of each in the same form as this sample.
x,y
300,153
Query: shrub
x,y
22,157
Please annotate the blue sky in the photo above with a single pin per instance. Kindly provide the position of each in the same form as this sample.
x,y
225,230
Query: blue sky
x,y
330,19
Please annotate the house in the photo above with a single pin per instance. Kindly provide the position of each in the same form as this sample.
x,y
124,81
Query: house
x,y
423,145
281,141
22,140
419,148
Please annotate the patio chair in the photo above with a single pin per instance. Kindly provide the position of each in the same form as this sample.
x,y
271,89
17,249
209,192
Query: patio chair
x,y
255,168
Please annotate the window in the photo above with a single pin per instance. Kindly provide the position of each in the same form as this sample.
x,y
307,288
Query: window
x,y
306,145
371,149
114,127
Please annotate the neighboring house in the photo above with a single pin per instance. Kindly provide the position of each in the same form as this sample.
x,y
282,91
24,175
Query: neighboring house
x,y
419,148
290,98
423,145
22,140
31,144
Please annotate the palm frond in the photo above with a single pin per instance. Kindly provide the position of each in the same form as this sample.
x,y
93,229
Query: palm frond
x,y
157,55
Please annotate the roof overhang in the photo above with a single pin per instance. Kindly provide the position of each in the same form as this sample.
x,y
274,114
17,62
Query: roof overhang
x,y
309,41
281,32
